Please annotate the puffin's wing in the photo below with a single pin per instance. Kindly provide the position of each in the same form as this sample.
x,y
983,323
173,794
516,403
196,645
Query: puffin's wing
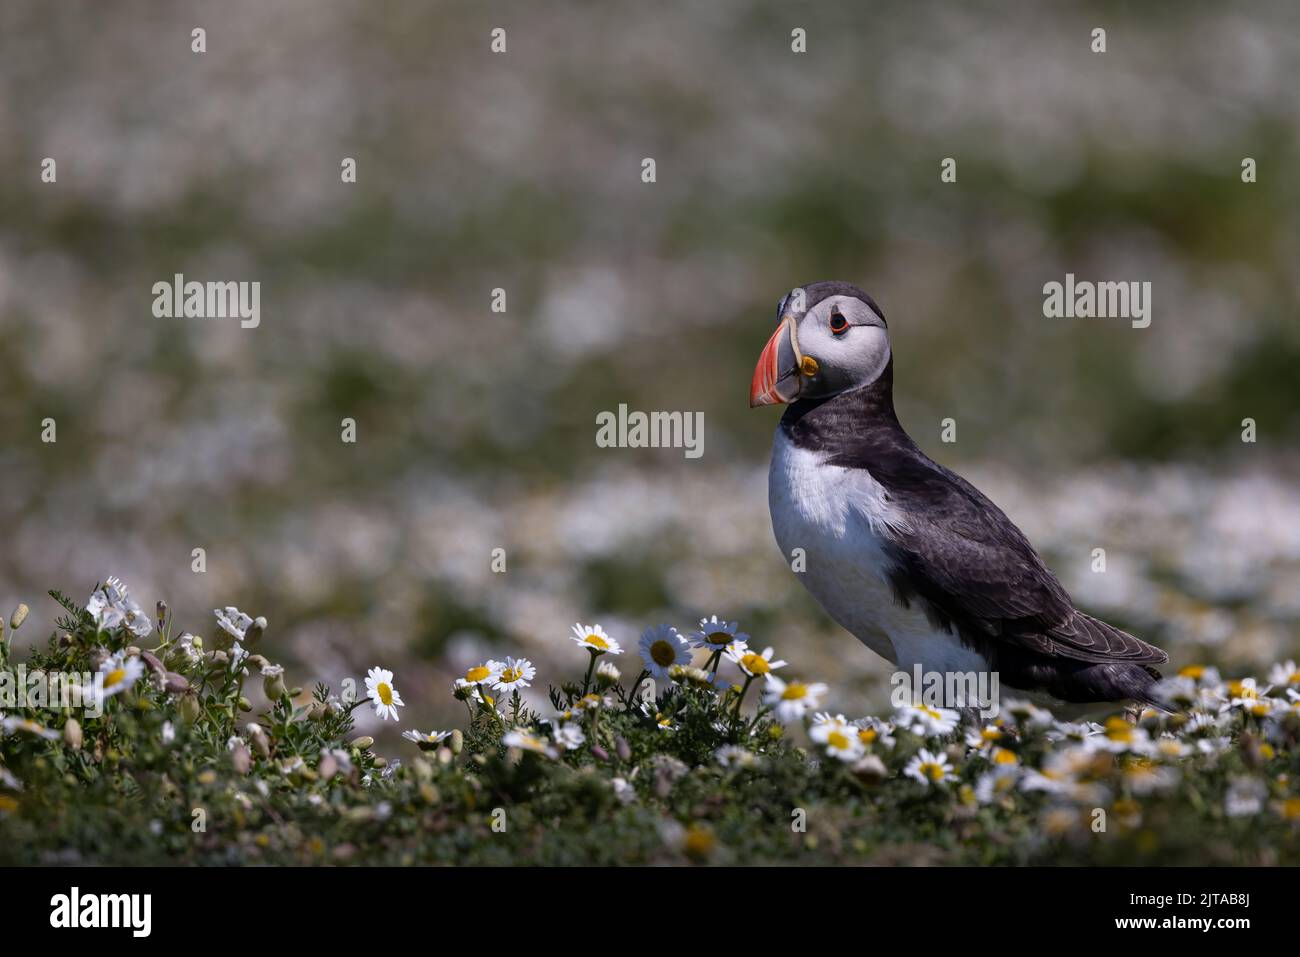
x,y
959,553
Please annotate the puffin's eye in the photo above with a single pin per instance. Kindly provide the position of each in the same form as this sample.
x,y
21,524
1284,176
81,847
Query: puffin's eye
x,y
839,324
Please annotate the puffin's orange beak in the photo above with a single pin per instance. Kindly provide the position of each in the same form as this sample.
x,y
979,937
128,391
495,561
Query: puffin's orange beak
x,y
776,377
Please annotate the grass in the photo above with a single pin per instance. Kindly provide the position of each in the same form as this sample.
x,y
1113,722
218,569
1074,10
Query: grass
x,y
181,768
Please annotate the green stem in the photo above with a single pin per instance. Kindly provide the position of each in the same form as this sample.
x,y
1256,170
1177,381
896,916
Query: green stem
x,y
591,666
636,686
740,699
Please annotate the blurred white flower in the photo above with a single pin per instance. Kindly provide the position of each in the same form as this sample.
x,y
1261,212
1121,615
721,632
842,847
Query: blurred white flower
x,y
1245,797
929,768
791,701
525,740
111,607
568,735
232,621
837,736
120,673
924,720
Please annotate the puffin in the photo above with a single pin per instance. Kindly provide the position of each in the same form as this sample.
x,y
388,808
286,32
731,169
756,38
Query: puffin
x,y
903,553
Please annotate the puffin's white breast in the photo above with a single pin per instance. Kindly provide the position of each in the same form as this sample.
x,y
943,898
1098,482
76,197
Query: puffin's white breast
x,y
841,517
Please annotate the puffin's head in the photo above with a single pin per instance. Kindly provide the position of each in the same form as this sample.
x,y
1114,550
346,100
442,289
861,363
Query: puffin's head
x,y
830,338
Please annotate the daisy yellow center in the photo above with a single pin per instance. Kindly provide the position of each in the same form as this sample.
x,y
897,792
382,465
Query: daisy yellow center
x,y
794,692
1003,756
1117,729
385,692
932,771
1240,690
867,735
598,642
990,734
838,740
477,674
755,664
663,653
511,675
1193,671
115,676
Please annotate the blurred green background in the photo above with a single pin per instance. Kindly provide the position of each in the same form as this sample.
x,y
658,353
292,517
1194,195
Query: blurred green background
x,y
522,171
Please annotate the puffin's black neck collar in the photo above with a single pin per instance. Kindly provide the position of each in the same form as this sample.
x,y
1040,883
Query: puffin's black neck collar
x,y
820,423
856,429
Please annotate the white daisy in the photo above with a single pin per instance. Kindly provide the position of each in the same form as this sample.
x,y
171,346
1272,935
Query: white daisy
x,y
1145,778
661,648
751,662
1167,746
484,674
996,783
1120,736
27,726
1028,714
1247,696
1245,797
514,673
838,737
111,607
734,756
985,739
662,721
119,673
525,740
568,735
426,740
1285,674
929,768
872,731
718,635
791,701
607,673
593,638
698,677
379,688
926,721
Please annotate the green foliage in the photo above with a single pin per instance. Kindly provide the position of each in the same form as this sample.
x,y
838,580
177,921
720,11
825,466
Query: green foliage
x,y
180,768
